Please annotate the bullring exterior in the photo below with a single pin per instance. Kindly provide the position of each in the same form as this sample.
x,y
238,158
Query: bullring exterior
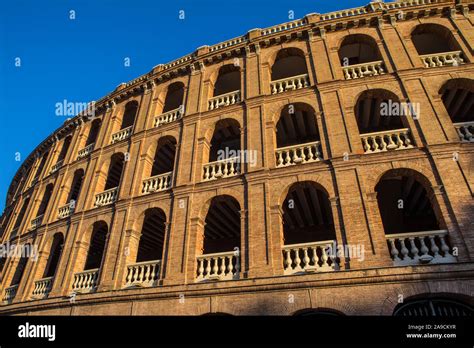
x,y
226,180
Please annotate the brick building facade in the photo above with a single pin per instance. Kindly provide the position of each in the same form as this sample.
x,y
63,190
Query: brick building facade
x,y
147,207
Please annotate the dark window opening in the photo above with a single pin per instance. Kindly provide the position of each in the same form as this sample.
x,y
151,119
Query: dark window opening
x,y
97,246
225,140
115,171
164,156
152,238
289,62
222,225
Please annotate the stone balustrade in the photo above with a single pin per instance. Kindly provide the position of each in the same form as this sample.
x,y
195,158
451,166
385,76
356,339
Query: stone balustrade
x,y
465,131
85,281
106,197
219,266
227,43
401,4
309,257
296,154
144,274
289,83
122,134
36,222
42,287
221,169
442,59
10,293
85,151
398,139
224,100
56,167
343,13
358,71
283,27
65,211
168,117
414,248
157,183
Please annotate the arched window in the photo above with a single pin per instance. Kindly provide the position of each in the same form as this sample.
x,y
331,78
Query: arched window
x,y
174,97
21,214
129,114
358,49
224,153
228,80
380,111
114,175
297,136
414,231
76,186
308,229
225,141
433,38
40,168
64,149
38,220
45,201
54,255
164,156
360,57
221,241
93,132
436,45
152,238
289,62
96,246
20,268
443,307
147,267
458,98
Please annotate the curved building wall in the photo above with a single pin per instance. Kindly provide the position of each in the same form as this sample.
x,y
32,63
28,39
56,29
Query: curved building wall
x,y
248,236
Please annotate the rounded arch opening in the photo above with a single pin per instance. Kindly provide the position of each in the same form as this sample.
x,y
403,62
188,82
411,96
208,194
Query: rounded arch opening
x,y
379,110
297,125
97,245
228,80
129,114
358,49
288,62
114,174
307,215
433,38
222,225
434,305
93,132
76,186
225,141
174,96
165,153
458,98
404,202
150,246
54,255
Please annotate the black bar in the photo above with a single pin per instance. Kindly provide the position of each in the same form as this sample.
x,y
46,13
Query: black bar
x,y
227,330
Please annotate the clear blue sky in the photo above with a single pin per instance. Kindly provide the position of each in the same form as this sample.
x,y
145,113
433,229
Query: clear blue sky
x,y
83,59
